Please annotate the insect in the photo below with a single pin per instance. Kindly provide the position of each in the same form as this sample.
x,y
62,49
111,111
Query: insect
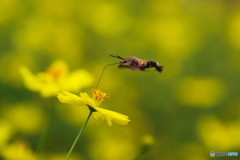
x,y
135,63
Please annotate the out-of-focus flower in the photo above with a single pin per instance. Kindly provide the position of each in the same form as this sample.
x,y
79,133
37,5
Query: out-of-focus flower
x,y
211,129
17,115
6,132
93,104
18,150
147,143
200,92
148,140
55,79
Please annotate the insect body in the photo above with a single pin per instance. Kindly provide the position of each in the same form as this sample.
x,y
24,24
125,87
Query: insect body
x,y
135,63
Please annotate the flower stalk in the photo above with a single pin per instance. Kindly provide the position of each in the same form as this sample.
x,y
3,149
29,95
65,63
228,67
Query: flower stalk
x,y
79,134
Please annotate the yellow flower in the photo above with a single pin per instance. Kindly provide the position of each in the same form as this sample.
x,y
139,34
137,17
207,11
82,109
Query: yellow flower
x,y
93,104
18,150
55,79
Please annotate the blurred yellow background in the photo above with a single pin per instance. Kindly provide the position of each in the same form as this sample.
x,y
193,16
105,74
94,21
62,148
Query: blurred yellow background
x,y
190,109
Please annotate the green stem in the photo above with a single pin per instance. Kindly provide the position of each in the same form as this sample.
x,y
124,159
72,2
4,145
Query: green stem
x,y
79,134
143,149
45,130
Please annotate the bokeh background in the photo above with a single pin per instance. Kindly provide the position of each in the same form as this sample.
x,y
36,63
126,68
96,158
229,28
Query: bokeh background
x,y
190,109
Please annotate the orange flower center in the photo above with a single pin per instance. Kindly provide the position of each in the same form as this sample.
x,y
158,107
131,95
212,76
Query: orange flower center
x,y
55,72
99,96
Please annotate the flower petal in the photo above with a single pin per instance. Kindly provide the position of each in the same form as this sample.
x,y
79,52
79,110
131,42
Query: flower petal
x,y
58,69
55,79
67,97
110,116
42,82
30,80
87,100
77,80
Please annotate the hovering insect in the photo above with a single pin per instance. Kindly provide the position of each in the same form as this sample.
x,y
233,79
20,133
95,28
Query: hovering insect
x,y
135,63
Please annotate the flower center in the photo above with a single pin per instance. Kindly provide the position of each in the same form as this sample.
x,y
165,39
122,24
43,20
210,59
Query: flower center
x,y
55,72
99,96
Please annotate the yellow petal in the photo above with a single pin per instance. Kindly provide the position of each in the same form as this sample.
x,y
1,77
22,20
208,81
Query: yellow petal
x,y
110,116
58,68
42,82
30,80
48,85
77,80
55,79
67,97
87,100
